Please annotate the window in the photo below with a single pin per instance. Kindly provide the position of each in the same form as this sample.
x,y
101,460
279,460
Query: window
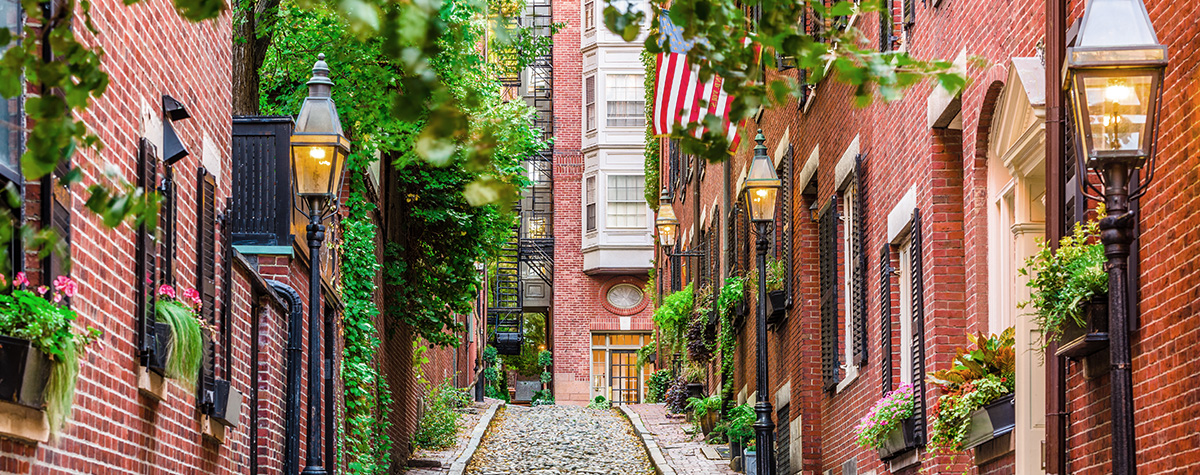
x,y
624,296
589,101
589,16
10,109
626,202
828,255
625,100
906,327
886,27
590,212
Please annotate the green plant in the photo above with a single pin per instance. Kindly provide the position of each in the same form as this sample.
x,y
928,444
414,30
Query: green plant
x,y
701,407
732,293
672,318
885,416
977,377
1061,281
187,333
776,271
676,396
440,422
600,402
545,358
546,377
653,185
693,372
739,425
656,387
645,353
542,397
48,325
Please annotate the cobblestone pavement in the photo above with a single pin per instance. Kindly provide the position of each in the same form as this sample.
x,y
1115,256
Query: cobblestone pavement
x,y
447,456
552,440
681,449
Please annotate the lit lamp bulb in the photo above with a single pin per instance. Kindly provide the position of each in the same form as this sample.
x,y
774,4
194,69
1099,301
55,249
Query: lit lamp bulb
x,y
317,153
1117,91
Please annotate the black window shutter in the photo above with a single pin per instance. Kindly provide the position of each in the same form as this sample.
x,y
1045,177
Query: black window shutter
x,y
731,241
786,179
206,262
145,276
56,214
885,316
918,316
169,215
827,235
910,13
227,291
743,221
886,26
858,247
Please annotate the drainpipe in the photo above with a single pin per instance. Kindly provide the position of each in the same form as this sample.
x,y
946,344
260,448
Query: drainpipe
x,y
1055,454
291,428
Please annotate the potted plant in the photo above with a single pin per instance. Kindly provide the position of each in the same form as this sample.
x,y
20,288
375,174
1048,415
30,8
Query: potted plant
x,y
693,374
39,347
1069,292
975,405
750,458
705,411
888,425
182,351
739,428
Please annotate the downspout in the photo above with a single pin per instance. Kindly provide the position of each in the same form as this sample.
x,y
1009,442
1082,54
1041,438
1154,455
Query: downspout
x,y
330,414
256,321
1056,44
291,430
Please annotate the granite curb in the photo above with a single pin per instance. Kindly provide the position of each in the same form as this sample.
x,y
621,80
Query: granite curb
x,y
656,455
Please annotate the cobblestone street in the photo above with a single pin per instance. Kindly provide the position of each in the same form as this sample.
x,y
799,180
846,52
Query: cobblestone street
x,y
560,440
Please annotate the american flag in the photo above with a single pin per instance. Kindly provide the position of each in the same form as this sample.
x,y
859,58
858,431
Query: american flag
x,y
679,96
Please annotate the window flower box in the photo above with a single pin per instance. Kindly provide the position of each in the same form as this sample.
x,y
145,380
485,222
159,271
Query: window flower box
x,y
1077,340
899,440
24,373
994,420
776,306
227,403
160,345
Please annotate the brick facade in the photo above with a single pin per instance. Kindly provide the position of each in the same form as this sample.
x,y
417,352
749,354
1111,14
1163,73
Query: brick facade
x,y
947,166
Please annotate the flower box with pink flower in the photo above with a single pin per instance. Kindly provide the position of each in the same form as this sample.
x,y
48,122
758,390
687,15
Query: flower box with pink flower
x,y
40,347
177,342
888,425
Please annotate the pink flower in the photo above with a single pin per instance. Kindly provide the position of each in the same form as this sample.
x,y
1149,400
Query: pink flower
x,y
166,290
194,296
20,280
41,290
66,285
57,297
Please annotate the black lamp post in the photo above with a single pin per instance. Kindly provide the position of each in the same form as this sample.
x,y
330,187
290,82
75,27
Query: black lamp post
x,y
319,150
761,186
1115,75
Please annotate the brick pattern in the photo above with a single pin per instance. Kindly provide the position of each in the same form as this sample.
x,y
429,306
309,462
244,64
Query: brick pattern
x,y
680,449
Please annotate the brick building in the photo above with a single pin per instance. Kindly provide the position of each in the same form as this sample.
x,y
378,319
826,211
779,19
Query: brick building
x,y
922,211
165,123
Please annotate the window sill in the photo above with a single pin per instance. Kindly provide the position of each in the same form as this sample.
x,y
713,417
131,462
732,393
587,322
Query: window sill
x,y
23,423
851,376
151,384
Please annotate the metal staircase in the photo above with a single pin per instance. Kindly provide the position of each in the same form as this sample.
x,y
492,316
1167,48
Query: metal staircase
x,y
529,255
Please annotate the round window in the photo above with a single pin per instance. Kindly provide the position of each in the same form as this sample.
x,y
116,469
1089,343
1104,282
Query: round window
x,y
625,296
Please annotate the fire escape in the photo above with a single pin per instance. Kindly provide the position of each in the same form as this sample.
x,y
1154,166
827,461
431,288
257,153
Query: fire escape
x,y
525,266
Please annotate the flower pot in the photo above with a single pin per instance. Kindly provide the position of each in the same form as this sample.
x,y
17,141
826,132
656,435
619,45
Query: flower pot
x,y
1079,341
750,462
24,372
776,306
708,422
695,390
899,440
994,420
160,345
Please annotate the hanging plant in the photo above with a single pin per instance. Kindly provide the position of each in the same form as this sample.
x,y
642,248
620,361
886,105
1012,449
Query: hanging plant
x,y
672,318
41,320
180,311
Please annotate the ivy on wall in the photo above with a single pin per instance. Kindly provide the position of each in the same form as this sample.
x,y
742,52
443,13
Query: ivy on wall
x,y
653,183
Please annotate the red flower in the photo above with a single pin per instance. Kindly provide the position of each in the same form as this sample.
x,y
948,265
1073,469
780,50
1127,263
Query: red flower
x,y
66,285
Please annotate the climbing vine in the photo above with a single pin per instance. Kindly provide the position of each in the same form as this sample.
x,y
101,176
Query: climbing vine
x,y
731,294
653,182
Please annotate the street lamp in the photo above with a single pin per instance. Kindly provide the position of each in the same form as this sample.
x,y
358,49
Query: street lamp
x,y
319,150
761,186
667,223
1115,75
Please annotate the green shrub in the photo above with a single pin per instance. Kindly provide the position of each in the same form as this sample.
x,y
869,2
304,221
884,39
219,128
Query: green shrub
x,y
542,397
440,423
546,376
656,387
545,358
701,407
1062,280
600,402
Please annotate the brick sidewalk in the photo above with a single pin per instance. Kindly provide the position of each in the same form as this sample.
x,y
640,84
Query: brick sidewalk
x,y
446,457
681,451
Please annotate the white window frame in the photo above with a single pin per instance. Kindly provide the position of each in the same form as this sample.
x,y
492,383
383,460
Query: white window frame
x,y
609,201
906,316
609,86
589,204
589,15
848,270
589,103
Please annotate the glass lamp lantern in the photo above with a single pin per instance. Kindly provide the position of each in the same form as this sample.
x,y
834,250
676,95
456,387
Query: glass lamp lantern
x,y
1114,77
319,147
762,184
667,224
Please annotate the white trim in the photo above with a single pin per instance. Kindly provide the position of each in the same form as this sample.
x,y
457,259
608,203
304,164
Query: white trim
x,y
845,165
810,167
783,395
900,217
781,149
